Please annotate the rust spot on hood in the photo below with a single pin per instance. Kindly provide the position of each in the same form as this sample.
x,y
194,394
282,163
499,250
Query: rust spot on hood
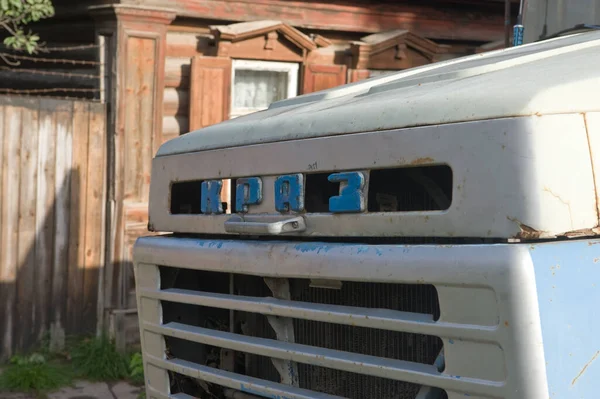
x,y
422,160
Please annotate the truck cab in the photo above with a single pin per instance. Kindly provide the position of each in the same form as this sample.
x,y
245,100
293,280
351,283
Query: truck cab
x,y
431,233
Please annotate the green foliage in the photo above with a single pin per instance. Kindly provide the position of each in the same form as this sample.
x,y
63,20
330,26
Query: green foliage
x,y
34,373
98,359
136,369
15,14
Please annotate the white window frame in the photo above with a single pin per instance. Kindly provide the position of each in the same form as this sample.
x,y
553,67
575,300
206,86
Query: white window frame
x,y
290,68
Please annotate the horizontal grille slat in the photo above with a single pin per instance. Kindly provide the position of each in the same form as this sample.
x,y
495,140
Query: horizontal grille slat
x,y
392,320
368,365
236,381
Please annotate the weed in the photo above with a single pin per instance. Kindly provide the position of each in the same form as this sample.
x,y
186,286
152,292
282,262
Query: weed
x,y
34,373
136,369
98,359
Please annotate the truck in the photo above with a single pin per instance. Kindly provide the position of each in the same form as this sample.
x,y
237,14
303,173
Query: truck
x,y
431,233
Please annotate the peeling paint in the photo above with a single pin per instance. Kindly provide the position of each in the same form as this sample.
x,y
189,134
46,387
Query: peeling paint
x,y
422,160
583,370
528,232
312,247
583,233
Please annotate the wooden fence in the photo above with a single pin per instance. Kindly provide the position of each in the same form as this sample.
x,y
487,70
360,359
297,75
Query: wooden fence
x,y
52,224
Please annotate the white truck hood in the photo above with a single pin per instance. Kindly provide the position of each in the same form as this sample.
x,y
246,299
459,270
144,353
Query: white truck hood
x,y
551,77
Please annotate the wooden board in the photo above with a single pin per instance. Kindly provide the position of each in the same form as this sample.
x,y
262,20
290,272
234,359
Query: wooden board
x,y
321,77
210,91
9,237
139,121
95,194
27,267
78,204
44,214
63,215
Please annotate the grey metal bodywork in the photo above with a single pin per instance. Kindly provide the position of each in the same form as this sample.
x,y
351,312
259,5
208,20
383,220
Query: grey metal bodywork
x,y
489,319
525,177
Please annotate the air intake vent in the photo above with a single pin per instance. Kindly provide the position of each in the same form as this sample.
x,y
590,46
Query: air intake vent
x,y
350,339
427,188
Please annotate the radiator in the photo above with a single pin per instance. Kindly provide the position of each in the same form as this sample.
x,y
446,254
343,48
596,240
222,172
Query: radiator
x,y
417,348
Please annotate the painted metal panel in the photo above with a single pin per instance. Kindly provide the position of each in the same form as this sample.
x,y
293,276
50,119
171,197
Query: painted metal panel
x,y
504,359
545,294
511,178
568,283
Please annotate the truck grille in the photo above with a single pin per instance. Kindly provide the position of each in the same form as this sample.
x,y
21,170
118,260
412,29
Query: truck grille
x,y
419,348
315,321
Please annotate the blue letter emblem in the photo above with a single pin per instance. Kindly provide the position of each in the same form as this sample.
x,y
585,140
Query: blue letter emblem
x,y
248,191
289,193
210,201
351,198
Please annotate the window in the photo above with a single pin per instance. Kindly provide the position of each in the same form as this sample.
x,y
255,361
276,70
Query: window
x,y
257,84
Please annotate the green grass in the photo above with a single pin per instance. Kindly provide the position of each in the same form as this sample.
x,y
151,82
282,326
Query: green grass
x,y
34,374
95,359
136,369
98,359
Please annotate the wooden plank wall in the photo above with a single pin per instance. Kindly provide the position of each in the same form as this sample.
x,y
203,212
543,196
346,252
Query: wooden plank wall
x,y
52,201
182,45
